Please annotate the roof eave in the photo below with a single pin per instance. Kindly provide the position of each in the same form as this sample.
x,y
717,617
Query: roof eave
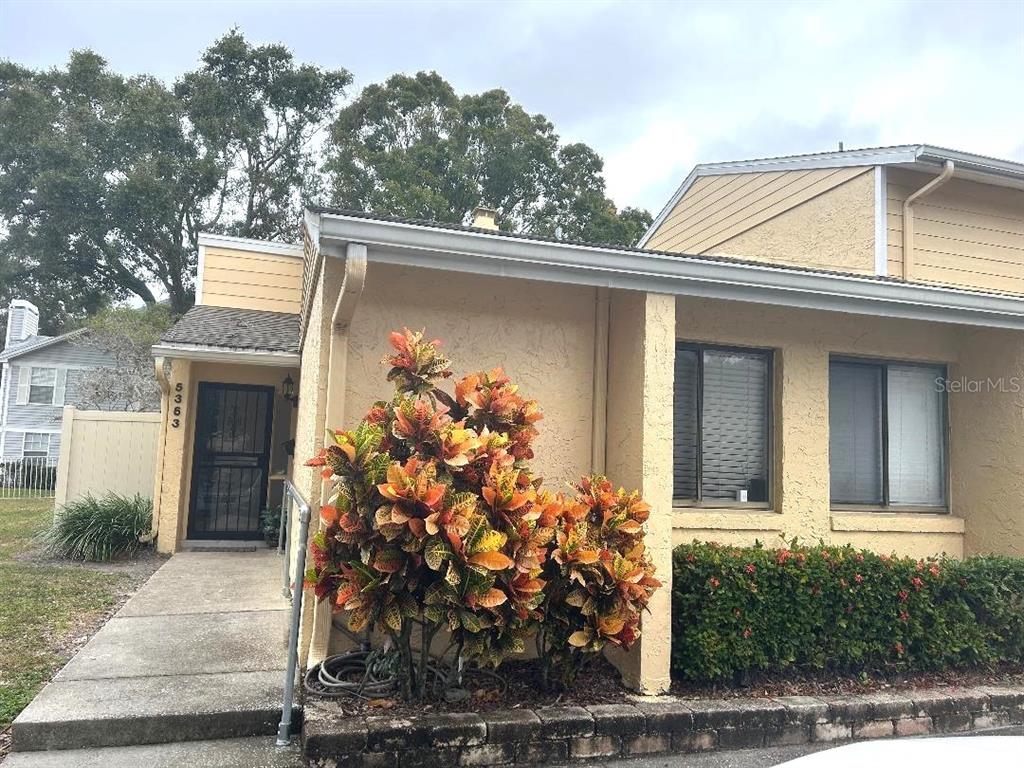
x,y
210,354
493,254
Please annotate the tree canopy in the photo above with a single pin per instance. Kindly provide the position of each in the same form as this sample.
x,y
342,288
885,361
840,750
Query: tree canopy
x,y
413,147
106,180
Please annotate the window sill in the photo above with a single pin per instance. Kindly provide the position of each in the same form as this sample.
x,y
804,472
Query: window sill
x,y
899,522
730,519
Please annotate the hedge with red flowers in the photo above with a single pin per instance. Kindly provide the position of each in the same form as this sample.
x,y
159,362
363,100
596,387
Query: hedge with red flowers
x,y
837,609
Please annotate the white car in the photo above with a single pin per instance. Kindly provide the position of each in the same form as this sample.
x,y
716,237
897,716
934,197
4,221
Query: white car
x,y
946,752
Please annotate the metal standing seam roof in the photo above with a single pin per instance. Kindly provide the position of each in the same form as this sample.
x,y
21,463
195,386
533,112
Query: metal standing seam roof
x,y
229,328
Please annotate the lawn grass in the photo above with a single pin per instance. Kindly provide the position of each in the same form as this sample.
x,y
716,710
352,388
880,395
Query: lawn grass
x,y
45,607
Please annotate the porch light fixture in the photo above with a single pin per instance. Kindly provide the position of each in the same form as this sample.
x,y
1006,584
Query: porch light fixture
x,y
288,391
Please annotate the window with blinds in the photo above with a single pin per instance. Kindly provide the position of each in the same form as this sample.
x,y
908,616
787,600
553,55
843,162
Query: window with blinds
x,y
722,425
887,434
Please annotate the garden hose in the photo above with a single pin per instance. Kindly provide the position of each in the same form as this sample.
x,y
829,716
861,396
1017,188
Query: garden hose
x,y
377,674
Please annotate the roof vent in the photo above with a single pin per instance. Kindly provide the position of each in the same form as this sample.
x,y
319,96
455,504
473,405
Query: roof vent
x,y
485,218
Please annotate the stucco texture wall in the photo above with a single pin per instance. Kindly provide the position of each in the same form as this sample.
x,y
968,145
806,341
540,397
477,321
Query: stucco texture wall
x,y
803,341
542,334
987,441
175,481
834,230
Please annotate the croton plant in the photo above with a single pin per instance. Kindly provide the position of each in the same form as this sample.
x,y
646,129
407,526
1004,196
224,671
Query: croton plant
x,y
437,522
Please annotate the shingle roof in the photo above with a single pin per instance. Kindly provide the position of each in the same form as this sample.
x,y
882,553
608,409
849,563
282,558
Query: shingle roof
x,y
236,329
33,343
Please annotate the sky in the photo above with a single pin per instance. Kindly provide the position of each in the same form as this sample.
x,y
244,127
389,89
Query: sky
x,y
654,87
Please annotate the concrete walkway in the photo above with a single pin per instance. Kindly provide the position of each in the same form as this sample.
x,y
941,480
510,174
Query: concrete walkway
x,y
198,653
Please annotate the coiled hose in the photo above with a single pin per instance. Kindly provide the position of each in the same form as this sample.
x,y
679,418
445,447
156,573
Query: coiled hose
x,y
377,674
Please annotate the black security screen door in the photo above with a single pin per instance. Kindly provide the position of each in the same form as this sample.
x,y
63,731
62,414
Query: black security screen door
x,y
231,461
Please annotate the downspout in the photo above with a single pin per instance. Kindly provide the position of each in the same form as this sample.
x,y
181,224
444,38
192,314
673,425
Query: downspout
x,y
599,413
337,362
908,215
165,392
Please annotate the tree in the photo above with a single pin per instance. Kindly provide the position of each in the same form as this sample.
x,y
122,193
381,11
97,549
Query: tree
x,y
259,114
98,183
126,334
413,147
106,181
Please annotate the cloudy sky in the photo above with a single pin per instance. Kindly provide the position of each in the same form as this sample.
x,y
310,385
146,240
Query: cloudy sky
x,y
654,87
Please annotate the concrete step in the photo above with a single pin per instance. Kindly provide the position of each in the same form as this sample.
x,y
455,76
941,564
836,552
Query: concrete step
x,y
227,753
209,545
117,712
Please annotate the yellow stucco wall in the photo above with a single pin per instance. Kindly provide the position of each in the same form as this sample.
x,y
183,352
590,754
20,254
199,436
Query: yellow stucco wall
x,y
987,441
542,334
172,524
834,230
803,341
641,348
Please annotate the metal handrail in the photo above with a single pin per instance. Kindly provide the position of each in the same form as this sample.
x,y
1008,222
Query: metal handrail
x,y
292,500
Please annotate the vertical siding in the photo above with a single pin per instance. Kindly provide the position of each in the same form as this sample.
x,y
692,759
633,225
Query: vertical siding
x,y
106,451
966,234
250,280
819,218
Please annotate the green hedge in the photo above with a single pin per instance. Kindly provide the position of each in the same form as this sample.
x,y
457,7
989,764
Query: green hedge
x,y
837,609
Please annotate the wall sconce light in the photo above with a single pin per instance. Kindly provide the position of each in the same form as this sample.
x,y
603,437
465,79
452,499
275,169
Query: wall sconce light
x,y
288,391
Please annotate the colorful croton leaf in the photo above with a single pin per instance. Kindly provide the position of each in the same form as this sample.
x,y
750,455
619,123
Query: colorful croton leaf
x,y
435,521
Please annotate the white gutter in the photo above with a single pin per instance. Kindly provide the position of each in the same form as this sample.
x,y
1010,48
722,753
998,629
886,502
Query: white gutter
x,y
208,354
908,215
429,247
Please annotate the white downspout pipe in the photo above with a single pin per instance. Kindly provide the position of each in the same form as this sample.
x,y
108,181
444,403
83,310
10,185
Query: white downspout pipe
x,y
908,215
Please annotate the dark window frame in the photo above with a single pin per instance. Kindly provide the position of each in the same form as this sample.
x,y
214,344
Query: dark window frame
x,y
768,354
886,505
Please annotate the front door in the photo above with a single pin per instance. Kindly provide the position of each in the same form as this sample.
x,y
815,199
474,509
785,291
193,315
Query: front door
x,y
231,461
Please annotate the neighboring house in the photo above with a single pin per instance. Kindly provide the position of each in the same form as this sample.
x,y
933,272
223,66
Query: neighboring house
x,y
827,346
39,375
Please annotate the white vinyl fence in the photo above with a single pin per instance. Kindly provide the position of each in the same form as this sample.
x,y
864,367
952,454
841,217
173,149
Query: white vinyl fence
x,y
106,451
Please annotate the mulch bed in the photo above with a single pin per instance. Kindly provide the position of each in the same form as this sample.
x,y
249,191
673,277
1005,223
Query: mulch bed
x,y
599,684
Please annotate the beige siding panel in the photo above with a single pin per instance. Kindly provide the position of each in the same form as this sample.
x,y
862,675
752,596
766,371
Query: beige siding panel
x,y
755,204
704,204
737,200
965,234
831,231
250,280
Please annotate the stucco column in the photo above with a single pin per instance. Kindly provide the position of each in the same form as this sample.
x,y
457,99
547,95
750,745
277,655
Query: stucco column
x,y
177,433
801,441
986,441
639,455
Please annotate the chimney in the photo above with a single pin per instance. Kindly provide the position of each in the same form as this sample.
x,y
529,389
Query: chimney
x,y
485,218
22,321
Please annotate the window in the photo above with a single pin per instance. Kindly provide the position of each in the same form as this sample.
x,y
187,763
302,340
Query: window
x,y
43,383
37,444
887,434
721,454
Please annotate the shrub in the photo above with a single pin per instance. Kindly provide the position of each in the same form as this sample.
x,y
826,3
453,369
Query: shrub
x,y
437,522
270,524
100,529
742,610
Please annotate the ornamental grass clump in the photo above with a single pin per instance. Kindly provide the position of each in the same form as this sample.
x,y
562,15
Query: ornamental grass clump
x,y
437,523
100,529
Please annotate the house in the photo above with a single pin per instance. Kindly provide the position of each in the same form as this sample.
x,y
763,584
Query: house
x,y
39,375
827,346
